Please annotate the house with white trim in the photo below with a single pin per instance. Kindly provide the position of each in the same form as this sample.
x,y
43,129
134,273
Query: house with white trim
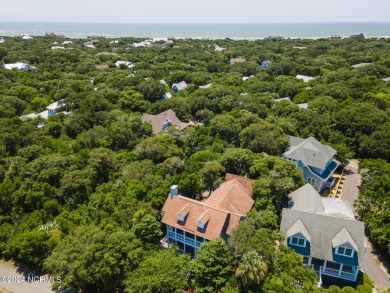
x,y
190,222
314,159
325,232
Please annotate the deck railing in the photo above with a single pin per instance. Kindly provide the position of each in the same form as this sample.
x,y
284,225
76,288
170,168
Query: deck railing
x,y
339,274
183,239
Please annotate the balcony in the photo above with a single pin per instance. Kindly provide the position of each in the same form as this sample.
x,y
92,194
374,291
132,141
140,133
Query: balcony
x,y
339,273
183,239
330,182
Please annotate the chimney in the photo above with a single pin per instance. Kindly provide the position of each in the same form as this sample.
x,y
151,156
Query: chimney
x,y
174,190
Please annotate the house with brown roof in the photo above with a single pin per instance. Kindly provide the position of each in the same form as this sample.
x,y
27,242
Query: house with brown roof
x,y
190,222
164,120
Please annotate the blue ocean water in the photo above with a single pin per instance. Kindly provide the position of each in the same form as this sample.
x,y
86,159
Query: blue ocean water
x,y
213,31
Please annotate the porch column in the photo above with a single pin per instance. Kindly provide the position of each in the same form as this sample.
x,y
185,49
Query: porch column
x,y
356,272
309,261
184,236
341,267
175,236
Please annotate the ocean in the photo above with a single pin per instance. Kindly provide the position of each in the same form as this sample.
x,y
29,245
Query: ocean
x,y
212,31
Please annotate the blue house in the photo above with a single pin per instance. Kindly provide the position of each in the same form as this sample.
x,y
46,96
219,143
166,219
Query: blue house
x,y
177,87
265,64
325,232
314,159
189,222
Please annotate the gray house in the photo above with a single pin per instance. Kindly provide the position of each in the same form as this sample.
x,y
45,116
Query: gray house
x,y
325,232
314,159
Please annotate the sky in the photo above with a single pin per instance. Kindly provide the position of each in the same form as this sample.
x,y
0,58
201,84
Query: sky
x,y
195,11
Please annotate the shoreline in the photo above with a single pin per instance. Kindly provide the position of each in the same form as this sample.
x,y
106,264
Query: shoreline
x,y
212,31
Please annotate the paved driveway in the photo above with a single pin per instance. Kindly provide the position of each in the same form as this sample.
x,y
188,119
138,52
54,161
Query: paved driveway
x,y
11,280
350,193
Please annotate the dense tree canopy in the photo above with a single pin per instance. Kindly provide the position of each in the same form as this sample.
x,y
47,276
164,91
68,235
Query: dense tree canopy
x,y
81,192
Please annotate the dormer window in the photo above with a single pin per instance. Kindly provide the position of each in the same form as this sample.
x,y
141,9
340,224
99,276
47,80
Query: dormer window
x,y
298,241
203,219
167,123
182,214
345,251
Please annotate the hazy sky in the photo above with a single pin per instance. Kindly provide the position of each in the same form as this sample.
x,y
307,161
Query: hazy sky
x,y
195,11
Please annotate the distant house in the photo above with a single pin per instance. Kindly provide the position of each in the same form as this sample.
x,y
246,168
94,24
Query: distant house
x,y
283,99
245,78
386,79
303,105
314,159
217,48
145,43
167,95
67,42
163,120
114,42
26,37
236,60
163,82
325,232
361,35
57,48
18,66
177,87
51,109
189,222
275,38
304,78
265,64
360,65
54,35
2,39
334,37
89,44
205,86
120,63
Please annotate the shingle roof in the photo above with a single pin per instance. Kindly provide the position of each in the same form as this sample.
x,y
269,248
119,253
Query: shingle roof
x,y
342,237
298,228
158,120
326,228
306,199
221,212
231,196
181,85
310,152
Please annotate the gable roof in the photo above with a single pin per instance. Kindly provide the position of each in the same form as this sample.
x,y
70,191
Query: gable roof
x,y
158,120
343,237
231,196
298,228
327,227
306,199
236,60
304,77
310,152
220,213
180,86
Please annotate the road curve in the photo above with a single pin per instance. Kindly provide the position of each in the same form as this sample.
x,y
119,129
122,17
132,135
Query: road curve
x,y
15,280
350,193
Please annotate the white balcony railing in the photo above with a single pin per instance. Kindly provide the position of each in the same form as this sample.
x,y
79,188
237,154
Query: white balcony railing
x,y
339,274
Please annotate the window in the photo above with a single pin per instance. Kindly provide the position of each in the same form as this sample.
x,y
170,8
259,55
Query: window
x,y
297,241
344,251
312,181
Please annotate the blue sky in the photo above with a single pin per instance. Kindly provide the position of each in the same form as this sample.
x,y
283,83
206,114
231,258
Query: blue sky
x,y
199,11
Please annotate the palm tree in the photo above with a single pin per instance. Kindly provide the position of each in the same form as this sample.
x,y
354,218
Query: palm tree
x,y
251,269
